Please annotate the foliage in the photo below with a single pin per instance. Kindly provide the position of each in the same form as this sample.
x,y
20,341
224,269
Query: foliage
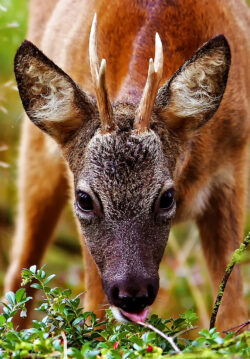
x,y
66,331
184,276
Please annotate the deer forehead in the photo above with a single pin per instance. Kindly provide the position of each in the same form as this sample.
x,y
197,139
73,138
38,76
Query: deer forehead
x,y
125,168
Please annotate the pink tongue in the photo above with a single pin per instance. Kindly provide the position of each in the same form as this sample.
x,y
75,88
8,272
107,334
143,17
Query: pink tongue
x,y
137,317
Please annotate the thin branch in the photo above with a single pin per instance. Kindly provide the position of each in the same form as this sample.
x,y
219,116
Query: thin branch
x,y
184,331
235,259
169,339
238,327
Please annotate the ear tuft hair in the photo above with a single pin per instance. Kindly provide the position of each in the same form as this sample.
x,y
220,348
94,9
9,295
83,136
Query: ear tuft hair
x,y
50,97
193,94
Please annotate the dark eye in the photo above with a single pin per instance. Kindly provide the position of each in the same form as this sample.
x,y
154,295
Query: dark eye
x,y
167,199
84,201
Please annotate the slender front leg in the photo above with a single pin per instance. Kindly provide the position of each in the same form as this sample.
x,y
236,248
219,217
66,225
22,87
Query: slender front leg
x,y
221,231
42,190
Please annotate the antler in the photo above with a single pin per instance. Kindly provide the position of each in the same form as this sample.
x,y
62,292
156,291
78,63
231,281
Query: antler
x,y
99,81
150,90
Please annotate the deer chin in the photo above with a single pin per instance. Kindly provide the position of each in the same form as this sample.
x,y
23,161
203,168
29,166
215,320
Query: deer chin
x,y
126,317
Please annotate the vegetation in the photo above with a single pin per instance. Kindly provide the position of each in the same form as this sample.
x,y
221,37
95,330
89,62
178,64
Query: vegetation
x,y
66,331
184,278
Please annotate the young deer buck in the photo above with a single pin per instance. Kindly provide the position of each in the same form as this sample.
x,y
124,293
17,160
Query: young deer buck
x,y
169,142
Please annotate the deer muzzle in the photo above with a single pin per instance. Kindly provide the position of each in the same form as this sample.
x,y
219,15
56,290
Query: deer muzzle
x,y
132,296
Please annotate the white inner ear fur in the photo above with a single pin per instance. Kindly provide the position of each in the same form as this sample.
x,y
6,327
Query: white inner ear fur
x,y
53,95
195,90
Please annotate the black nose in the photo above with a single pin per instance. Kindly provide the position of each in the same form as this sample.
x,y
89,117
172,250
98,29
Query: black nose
x,y
132,295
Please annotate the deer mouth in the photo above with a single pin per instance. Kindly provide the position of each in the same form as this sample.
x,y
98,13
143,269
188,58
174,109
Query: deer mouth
x,y
123,316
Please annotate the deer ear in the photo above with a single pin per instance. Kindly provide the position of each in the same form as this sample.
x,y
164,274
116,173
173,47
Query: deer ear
x,y
193,94
50,97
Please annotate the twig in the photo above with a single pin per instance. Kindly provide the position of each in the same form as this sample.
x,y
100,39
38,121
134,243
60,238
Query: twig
x,y
235,259
238,327
169,339
183,332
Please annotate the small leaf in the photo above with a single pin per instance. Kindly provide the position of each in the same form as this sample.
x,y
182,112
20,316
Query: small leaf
x,y
11,297
26,271
2,320
148,337
41,274
20,295
5,305
33,269
36,285
6,311
78,320
49,278
57,344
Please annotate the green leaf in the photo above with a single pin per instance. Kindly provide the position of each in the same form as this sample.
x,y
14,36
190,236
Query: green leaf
x,y
67,293
57,345
148,337
2,320
136,340
36,286
7,311
190,316
6,305
137,347
11,297
20,295
49,279
78,320
41,274
13,336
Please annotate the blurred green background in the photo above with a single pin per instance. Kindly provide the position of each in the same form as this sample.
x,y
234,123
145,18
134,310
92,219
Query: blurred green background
x,y
184,279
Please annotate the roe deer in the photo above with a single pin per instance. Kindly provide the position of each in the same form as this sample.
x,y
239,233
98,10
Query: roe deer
x,y
144,145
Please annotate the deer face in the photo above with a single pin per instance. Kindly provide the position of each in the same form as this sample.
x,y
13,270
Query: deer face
x,y
123,157
124,200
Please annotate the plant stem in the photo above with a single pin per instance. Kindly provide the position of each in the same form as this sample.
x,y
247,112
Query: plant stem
x,y
235,259
184,331
169,339
238,327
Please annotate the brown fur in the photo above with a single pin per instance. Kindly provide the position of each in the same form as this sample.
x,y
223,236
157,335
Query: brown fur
x,y
208,167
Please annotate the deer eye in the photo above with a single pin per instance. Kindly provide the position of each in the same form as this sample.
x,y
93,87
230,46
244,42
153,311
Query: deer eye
x,y
84,201
167,199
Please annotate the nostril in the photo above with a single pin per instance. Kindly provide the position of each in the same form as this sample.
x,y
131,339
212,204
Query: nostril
x,y
115,293
134,304
150,289
132,296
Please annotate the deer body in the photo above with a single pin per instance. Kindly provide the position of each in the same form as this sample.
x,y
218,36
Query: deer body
x,y
129,168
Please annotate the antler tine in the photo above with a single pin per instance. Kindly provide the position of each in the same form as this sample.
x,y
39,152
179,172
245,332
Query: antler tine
x,y
99,81
158,56
155,70
93,57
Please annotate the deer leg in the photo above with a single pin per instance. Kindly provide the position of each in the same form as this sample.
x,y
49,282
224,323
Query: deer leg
x,y
43,190
94,298
221,231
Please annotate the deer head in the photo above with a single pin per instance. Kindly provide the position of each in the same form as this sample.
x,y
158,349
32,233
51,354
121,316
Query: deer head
x,y
123,156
